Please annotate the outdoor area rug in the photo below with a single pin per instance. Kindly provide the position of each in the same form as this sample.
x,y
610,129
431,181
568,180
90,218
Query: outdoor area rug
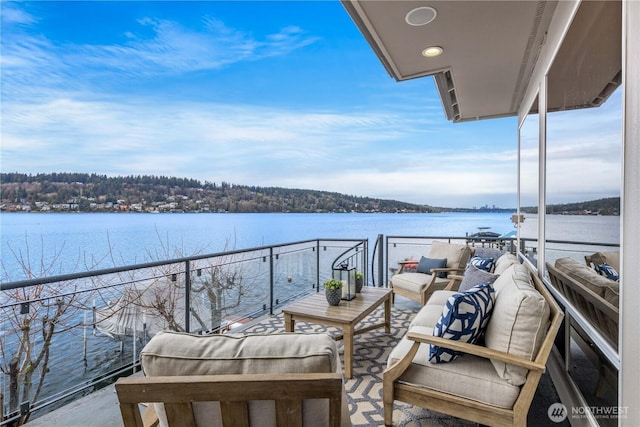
x,y
371,350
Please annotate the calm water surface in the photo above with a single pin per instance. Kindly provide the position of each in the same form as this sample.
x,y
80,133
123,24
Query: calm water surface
x,y
78,242
102,240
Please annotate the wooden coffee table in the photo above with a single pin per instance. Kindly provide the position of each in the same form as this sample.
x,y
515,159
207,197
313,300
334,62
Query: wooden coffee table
x,y
316,309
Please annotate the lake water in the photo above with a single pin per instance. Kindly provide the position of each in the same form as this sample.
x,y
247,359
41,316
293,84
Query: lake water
x,y
107,239
74,241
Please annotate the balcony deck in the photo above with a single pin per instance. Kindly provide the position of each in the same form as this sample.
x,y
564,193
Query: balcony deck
x,y
100,409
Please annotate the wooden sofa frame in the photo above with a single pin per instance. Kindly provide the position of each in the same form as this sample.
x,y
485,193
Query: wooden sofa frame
x,y
177,393
467,408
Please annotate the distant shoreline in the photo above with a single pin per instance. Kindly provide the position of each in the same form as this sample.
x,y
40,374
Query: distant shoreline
x,y
461,210
471,211
88,193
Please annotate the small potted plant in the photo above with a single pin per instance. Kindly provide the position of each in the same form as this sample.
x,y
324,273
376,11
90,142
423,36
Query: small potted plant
x,y
359,281
332,291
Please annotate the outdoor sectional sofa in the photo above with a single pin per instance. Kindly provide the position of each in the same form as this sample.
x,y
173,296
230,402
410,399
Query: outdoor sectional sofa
x,y
493,381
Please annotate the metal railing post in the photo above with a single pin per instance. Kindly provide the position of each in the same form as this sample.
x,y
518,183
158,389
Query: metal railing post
x,y
317,265
271,280
380,244
187,296
365,264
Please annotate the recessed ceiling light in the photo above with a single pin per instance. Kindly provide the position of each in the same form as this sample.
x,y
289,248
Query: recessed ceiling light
x,y
420,16
432,51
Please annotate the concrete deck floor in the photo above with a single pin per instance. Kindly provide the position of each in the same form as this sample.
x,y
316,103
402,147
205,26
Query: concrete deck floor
x,y
98,409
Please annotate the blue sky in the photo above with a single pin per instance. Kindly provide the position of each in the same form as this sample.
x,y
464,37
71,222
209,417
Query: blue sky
x,y
285,94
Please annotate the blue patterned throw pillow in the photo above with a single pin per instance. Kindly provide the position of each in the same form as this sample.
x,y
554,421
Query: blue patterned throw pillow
x,y
608,271
486,264
464,318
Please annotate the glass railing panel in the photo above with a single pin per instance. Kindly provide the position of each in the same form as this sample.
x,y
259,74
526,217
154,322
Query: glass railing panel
x,y
228,290
295,270
50,349
138,300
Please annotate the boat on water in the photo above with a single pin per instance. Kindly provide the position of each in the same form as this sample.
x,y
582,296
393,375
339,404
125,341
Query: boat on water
x,y
483,232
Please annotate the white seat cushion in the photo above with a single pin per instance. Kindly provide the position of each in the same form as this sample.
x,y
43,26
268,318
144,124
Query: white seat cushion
x,y
415,282
468,376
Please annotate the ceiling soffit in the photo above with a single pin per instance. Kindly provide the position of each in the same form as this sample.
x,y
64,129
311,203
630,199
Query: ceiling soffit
x,y
490,48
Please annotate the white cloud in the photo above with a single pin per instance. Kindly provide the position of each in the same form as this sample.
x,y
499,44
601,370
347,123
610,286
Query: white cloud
x,y
244,144
11,14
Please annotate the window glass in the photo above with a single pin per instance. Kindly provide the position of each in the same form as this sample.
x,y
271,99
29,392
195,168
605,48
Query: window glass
x,y
583,176
529,166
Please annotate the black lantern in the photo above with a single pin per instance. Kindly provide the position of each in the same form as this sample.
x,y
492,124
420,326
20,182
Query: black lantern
x,y
347,275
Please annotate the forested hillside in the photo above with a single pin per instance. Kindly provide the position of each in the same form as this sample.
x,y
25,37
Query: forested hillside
x,y
148,193
606,206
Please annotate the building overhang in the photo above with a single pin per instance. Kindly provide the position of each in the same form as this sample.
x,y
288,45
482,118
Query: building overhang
x,y
489,50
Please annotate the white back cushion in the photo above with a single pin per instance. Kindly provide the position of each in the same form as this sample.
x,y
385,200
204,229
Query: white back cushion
x,y
175,353
519,321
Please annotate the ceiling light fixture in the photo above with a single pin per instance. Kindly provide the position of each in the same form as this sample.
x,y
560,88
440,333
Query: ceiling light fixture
x,y
420,16
432,51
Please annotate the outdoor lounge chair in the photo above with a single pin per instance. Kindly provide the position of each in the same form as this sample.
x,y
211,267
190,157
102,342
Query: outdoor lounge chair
x,y
253,380
419,285
491,384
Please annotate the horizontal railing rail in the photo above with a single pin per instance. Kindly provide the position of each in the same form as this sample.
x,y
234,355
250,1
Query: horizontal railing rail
x,y
86,274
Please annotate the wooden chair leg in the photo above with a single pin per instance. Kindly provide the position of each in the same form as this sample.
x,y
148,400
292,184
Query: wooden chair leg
x,y
388,413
